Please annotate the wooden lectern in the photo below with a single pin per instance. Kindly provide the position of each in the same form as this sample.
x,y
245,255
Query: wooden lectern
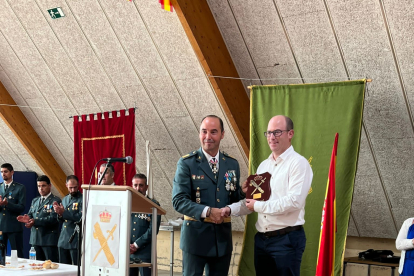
x,y
107,230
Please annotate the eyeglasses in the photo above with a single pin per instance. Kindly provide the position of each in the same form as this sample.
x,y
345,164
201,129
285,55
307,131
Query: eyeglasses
x,y
276,133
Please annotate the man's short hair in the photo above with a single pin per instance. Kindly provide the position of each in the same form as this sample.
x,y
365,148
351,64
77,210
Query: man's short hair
x,y
110,166
140,176
72,176
43,178
214,116
7,166
289,123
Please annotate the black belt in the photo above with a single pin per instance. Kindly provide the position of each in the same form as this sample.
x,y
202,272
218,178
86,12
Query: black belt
x,y
282,231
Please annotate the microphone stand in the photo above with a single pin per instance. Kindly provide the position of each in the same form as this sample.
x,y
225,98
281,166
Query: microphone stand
x,y
79,225
78,231
106,168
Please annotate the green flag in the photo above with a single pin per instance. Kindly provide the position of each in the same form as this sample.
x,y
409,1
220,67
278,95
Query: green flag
x,y
318,111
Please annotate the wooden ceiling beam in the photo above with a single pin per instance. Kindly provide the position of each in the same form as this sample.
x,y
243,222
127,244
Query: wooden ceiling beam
x,y
23,130
208,44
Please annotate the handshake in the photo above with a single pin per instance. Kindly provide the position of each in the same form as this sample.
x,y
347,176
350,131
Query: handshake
x,y
217,215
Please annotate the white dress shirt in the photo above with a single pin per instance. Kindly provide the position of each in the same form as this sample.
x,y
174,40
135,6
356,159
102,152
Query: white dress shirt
x,y
43,198
290,183
7,185
402,243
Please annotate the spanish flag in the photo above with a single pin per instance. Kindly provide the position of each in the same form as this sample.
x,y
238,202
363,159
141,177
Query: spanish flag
x,y
326,253
166,5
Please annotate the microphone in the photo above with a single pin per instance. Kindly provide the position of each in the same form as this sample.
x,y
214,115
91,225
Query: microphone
x,y
127,159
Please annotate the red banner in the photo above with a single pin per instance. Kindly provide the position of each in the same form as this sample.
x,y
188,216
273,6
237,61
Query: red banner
x,y
100,136
326,253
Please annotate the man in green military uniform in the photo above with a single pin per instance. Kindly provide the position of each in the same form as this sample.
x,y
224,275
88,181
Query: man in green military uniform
x,y
12,203
141,230
205,181
43,222
69,212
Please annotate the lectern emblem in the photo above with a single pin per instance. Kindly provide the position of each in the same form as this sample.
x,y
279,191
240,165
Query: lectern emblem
x,y
106,236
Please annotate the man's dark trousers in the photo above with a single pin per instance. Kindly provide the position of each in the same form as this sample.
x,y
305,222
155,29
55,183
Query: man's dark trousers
x,y
214,266
280,254
16,241
44,253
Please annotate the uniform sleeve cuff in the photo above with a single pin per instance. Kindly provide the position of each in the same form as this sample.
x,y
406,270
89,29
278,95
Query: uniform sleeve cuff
x,y
204,213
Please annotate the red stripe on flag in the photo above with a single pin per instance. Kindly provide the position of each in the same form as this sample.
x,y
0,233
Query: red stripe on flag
x,y
326,254
166,5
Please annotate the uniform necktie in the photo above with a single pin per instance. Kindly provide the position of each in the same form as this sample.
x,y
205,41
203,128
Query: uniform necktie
x,y
213,163
42,200
6,188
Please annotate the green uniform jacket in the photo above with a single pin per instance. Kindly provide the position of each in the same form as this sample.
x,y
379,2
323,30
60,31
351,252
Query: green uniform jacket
x,y
45,231
16,196
194,174
72,214
141,234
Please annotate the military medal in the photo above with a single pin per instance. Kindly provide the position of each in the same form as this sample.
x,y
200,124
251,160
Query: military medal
x,y
233,183
75,206
227,177
143,216
10,195
198,200
231,179
213,163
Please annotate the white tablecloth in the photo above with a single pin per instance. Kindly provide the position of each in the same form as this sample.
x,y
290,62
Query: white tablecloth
x,y
63,269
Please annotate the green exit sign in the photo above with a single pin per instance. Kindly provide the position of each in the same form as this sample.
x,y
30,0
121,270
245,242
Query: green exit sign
x,y
56,13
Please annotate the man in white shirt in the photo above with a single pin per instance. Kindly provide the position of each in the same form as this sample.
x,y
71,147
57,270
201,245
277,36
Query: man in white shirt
x,y
280,241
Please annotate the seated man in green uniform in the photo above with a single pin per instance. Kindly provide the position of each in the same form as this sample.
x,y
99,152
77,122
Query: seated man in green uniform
x,y
43,222
12,203
69,212
206,180
141,230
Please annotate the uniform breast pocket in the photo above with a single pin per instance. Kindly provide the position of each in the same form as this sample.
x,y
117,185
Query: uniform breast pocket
x,y
11,199
199,191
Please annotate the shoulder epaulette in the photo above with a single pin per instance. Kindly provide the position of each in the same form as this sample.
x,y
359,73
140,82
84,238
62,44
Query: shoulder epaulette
x,y
190,154
227,155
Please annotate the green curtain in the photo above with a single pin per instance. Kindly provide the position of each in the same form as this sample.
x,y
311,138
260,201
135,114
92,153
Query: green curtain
x,y
318,111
